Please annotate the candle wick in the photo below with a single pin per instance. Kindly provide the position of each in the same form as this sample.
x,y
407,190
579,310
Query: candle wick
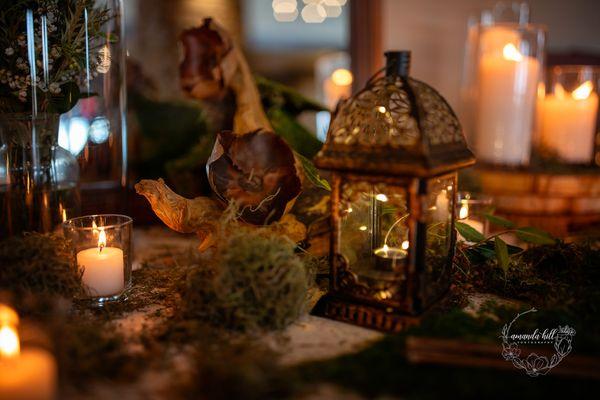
x,y
100,247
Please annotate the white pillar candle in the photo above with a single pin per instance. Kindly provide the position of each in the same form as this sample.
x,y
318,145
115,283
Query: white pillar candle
x,y
568,123
103,269
507,98
29,374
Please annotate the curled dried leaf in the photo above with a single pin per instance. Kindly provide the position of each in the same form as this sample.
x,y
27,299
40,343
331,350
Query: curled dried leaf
x,y
204,71
257,171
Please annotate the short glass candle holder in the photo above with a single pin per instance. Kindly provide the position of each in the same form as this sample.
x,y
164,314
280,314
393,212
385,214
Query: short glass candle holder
x,y
471,209
568,113
101,246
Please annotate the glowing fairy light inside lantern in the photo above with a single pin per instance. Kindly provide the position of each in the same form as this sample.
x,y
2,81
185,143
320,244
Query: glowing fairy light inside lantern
x,y
381,197
510,52
362,228
101,240
405,245
9,342
381,109
583,91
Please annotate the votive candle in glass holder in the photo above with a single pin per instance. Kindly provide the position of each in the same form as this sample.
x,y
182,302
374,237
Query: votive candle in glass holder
x,y
471,209
568,113
503,68
102,250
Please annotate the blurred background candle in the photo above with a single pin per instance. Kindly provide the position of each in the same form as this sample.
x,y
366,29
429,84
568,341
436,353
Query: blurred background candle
x,y
27,374
568,118
508,79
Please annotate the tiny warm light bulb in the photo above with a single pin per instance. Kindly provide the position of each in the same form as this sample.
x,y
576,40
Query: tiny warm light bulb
x,y
510,52
381,109
9,342
342,77
405,245
362,228
101,239
385,247
381,197
464,211
583,91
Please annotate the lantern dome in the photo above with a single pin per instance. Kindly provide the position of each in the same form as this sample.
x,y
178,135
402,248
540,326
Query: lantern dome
x,y
396,125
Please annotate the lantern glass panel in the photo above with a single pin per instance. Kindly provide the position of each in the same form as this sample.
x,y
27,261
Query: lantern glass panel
x,y
374,234
438,249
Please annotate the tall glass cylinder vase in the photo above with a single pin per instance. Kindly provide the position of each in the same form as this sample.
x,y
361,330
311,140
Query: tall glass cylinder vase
x,y
62,100
95,130
505,60
38,179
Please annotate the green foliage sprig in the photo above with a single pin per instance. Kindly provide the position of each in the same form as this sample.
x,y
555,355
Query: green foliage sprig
x,y
481,248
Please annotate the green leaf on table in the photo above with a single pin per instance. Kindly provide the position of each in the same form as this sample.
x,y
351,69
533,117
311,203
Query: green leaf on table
x,y
469,233
533,235
312,173
501,253
496,220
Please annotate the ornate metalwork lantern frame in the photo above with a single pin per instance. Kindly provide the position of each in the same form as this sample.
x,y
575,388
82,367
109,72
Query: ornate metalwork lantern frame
x,y
393,151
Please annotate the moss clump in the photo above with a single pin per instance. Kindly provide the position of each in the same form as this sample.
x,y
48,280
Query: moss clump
x,y
38,263
257,282
233,370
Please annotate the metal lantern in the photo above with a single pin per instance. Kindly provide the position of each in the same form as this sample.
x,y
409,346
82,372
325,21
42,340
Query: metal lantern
x,y
393,151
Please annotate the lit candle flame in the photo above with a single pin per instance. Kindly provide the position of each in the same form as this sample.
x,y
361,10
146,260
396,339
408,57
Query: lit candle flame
x,y
583,91
8,316
464,211
510,52
101,240
9,342
9,338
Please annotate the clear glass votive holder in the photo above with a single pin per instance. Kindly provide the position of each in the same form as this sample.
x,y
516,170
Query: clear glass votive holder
x,y
471,209
101,247
568,113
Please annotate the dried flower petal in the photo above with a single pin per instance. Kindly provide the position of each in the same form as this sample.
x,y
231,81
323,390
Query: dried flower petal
x,y
201,73
256,170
